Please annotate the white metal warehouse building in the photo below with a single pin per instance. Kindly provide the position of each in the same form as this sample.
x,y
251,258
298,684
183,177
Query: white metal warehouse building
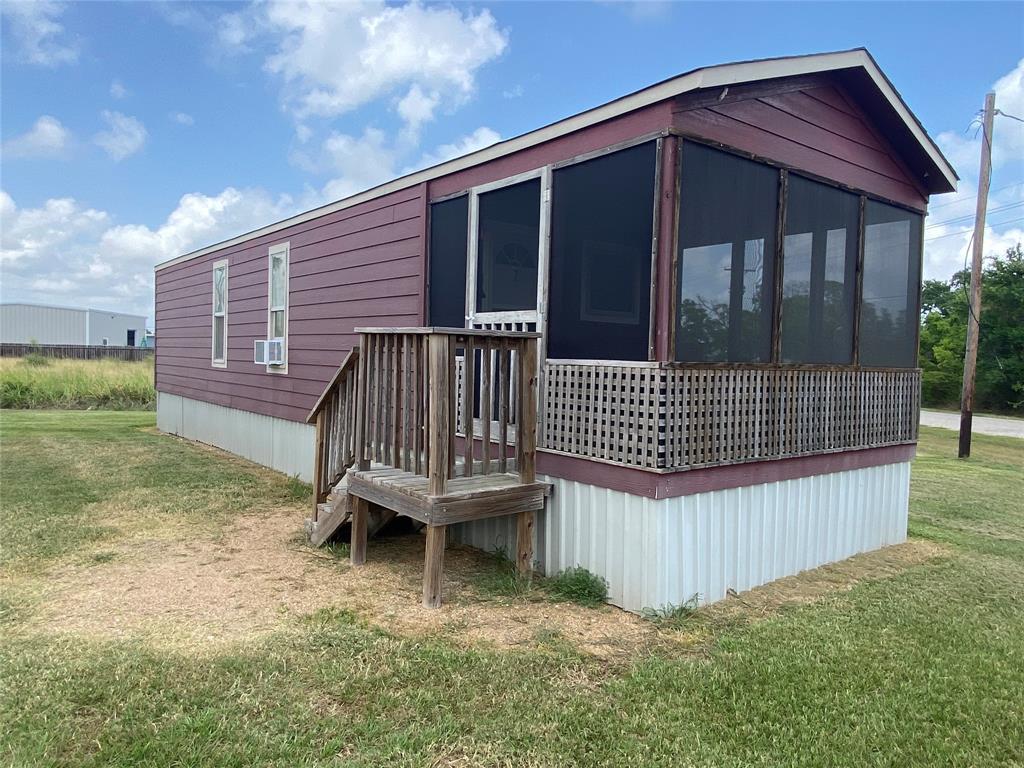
x,y
47,324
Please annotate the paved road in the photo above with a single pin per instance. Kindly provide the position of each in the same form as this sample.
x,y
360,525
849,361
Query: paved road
x,y
983,425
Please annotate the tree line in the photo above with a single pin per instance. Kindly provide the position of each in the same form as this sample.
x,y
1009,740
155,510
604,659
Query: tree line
x,y
944,313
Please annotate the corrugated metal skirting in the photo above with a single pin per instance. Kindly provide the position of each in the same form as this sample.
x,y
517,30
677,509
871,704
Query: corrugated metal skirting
x,y
286,446
662,552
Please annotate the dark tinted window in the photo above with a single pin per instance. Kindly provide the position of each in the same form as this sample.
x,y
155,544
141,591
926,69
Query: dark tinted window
x,y
601,229
727,223
448,233
819,273
889,307
509,229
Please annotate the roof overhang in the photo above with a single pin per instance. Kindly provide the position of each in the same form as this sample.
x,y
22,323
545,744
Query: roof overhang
x,y
858,59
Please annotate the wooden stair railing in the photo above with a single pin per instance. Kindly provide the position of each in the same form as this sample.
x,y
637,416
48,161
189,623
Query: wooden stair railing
x,y
410,455
334,416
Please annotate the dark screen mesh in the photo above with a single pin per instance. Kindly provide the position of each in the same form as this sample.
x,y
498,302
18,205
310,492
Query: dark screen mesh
x,y
819,273
889,304
448,233
601,230
727,222
509,231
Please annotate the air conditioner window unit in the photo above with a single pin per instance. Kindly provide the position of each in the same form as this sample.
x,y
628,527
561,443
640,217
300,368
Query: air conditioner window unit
x,y
268,352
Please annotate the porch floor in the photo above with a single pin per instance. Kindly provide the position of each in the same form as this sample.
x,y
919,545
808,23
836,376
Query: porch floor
x,y
466,498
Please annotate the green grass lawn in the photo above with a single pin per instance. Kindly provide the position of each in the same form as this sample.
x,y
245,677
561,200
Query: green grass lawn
x,y
924,667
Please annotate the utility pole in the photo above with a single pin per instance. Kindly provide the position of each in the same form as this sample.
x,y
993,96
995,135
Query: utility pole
x,y
974,313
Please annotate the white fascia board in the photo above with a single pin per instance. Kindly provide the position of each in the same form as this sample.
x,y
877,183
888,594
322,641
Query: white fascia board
x,y
707,77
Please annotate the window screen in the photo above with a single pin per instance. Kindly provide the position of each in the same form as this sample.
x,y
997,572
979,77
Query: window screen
x,y
601,230
448,234
889,305
727,223
819,273
509,229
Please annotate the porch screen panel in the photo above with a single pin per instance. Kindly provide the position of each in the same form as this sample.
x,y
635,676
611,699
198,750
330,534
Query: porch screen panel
x,y
727,223
449,230
601,236
892,276
507,248
819,273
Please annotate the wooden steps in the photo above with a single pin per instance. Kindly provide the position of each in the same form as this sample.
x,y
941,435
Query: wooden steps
x,y
336,512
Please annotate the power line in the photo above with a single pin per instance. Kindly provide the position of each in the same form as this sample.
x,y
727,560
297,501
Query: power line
x,y
972,199
971,215
963,231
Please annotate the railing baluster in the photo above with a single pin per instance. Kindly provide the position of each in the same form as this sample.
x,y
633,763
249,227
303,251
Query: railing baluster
x,y
468,382
504,361
485,406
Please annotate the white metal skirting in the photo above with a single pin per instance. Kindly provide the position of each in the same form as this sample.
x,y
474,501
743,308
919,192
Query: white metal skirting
x,y
286,446
663,552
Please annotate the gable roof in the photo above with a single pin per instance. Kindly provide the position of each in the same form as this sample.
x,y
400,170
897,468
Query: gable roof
x,y
942,177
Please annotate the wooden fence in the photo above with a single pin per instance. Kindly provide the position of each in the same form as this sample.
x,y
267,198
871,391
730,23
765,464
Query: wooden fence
x,y
76,351
683,417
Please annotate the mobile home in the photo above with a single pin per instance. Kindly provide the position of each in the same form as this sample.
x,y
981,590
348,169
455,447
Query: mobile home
x,y
671,339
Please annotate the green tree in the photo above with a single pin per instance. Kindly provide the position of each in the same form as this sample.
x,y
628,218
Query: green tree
x,y
944,308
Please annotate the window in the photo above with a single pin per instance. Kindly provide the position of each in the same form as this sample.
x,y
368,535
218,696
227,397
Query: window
x,y
819,267
601,238
220,315
449,229
727,222
277,320
891,284
507,248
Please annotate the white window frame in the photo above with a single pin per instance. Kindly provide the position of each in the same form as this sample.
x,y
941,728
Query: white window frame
x,y
275,250
214,361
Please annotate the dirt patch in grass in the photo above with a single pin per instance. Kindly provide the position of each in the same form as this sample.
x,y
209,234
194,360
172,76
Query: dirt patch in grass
x,y
205,590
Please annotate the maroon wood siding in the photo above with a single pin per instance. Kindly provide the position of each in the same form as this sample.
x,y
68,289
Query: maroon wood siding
x,y
650,119
363,265
811,125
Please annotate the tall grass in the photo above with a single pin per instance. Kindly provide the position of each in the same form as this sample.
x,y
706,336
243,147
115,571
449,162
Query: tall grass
x,y
36,382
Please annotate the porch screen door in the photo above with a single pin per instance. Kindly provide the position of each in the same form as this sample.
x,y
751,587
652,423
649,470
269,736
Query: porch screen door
x,y
506,285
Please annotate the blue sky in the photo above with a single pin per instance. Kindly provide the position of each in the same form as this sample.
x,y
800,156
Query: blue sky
x,y
133,132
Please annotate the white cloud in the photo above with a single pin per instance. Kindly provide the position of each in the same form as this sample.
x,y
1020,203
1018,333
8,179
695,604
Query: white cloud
x,y
124,135
65,252
950,223
183,118
417,108
335,57
40,36
964,149
513,93
359,162
117,90
46,138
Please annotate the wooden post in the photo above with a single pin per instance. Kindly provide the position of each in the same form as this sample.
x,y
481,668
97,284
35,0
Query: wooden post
x,y
440,413
524,542
526,448
360,513
526,421
971,353
433,566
